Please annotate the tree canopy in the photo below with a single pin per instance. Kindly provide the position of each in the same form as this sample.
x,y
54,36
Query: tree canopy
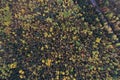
x,y
58,40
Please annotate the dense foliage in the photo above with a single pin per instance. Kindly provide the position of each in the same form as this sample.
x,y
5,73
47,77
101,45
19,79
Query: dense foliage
x,y
56,40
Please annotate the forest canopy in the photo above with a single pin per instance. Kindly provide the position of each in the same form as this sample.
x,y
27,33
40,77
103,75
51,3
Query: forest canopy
x,y
59,40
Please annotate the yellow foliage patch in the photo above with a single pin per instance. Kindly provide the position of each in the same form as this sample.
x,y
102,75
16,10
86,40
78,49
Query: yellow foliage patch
x,y
98,40
13,65
21,72
48,62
